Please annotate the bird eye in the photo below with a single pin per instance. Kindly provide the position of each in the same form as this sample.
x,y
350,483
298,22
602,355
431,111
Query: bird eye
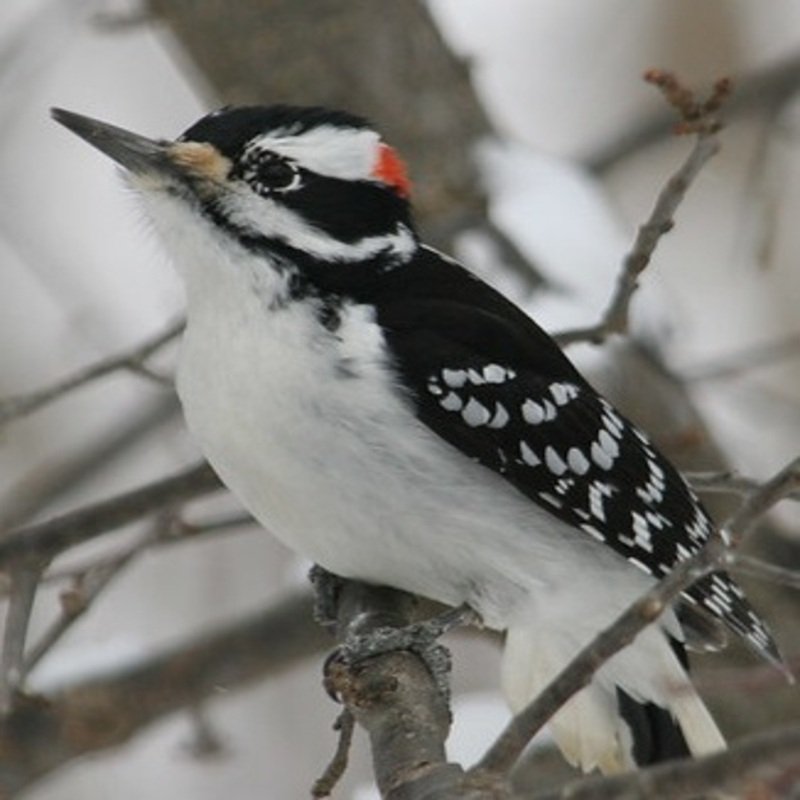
x,y
267,172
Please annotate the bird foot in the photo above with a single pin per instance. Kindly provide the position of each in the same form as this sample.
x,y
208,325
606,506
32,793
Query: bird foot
x,y
420,638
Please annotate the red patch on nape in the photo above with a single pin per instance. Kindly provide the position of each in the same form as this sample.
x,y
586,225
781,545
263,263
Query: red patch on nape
x,y
392,171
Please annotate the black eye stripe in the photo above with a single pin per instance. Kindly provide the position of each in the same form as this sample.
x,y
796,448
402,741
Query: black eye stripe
x,y
266,171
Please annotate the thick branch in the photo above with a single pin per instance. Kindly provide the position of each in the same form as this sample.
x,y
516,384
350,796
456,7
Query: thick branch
x,y
395,699
47,539
40,735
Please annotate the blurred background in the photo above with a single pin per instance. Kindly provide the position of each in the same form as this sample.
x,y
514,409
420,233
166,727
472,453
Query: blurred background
x,y
535,149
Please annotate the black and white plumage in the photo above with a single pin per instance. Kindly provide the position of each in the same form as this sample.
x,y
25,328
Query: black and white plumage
x,y
396,420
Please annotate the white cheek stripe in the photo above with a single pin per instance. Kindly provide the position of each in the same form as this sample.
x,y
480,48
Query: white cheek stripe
x,y
346,153
284,224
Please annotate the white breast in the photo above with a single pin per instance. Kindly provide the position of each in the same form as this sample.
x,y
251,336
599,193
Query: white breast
x,y
309,431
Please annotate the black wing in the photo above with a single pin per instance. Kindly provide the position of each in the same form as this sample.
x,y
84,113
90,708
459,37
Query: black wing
x,y
489,381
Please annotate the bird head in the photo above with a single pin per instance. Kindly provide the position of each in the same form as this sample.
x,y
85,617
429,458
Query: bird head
x,y
309,182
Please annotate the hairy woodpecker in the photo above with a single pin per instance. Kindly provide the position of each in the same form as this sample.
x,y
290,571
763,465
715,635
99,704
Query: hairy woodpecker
x,y
396,420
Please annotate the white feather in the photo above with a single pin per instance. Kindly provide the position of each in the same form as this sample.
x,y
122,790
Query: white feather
x,y
345,153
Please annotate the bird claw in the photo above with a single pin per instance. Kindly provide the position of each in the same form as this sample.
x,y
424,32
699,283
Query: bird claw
x,y
420,638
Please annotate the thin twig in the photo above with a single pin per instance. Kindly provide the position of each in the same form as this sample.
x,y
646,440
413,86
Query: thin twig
x,y
62,474
86,588
728,482
90,581
758,568
24,583
48,539
13,408
763,90
176,532
698,118
660,221
505,751
326,783
782,485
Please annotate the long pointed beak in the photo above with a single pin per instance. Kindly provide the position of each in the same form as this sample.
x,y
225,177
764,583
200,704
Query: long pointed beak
x,y
136,153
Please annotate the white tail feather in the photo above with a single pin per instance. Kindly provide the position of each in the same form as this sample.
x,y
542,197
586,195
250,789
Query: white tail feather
x,y
589,729
699,729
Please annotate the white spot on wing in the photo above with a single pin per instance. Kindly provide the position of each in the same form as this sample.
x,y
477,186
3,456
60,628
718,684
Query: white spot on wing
x,y
642,566
608,444
558,392
500,417
641,532
600,457
475,414
554,462
532,412
494,373
592,531
454,378
563,392
548,498
435,389
451,402
528,456
597,491
577,461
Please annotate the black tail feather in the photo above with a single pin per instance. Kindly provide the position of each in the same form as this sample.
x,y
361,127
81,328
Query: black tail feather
x,y
656,734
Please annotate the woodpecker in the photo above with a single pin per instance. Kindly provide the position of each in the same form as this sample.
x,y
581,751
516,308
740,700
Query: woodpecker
x,y
396,420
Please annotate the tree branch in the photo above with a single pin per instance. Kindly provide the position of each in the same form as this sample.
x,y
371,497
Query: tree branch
x,y
86,587
394,698
700,119
62,474
782,485
766,763
660,221
763,90
758,568
39,735
13,408
47,539
24,582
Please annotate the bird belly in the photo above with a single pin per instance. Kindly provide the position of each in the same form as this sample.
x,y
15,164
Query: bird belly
x,y
334,463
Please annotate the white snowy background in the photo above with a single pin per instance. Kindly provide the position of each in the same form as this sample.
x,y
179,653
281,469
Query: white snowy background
x,y
81,278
